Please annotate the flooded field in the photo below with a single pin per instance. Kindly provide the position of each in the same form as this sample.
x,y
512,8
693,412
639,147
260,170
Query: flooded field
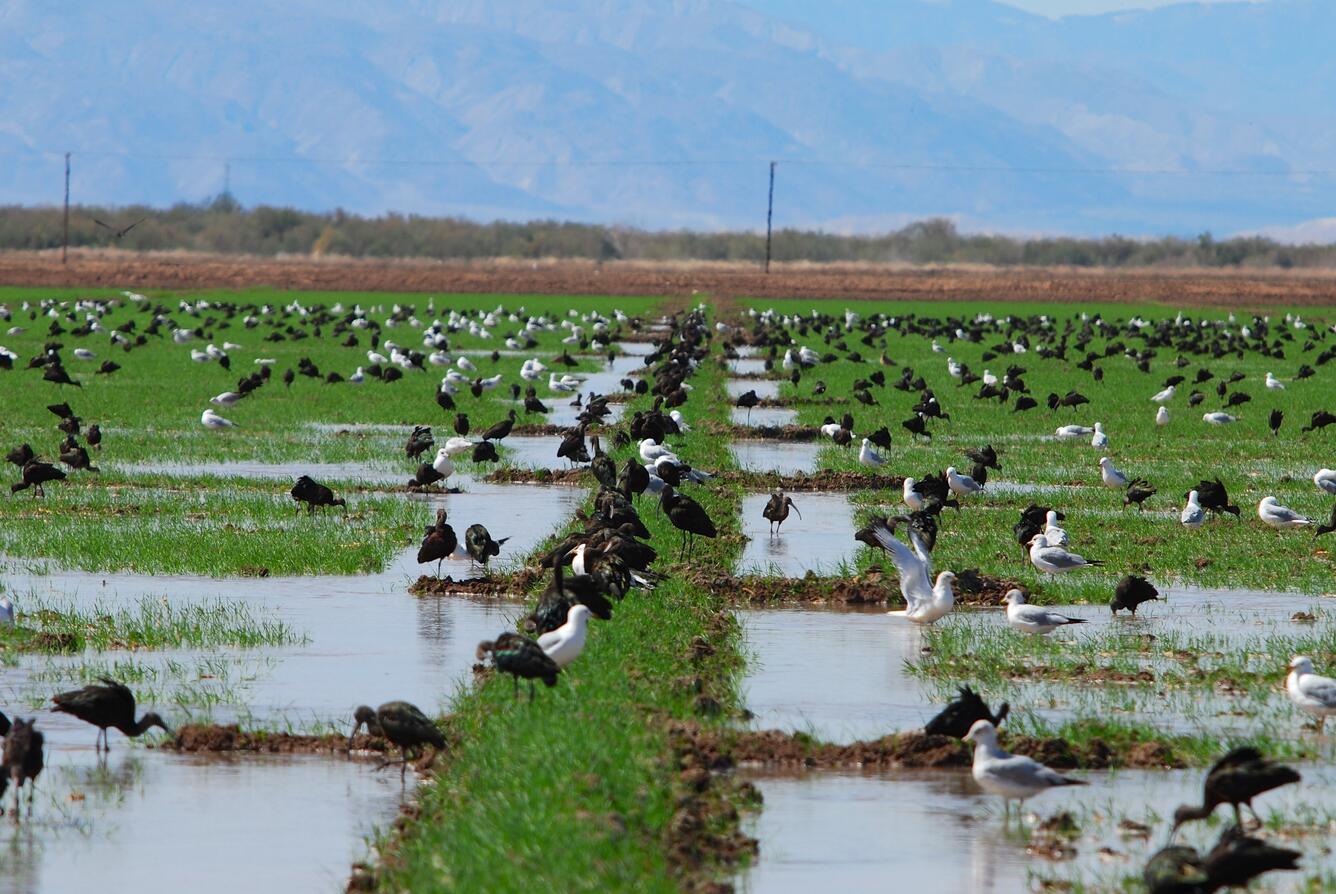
x,y
783,457
763,416
820,540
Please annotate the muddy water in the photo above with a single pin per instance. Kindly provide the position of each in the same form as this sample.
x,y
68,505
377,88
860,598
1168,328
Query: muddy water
x,y
818,541
784,457
758,416
765,389
935,831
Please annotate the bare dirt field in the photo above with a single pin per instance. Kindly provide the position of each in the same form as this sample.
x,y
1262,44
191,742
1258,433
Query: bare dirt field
x,y
1243,289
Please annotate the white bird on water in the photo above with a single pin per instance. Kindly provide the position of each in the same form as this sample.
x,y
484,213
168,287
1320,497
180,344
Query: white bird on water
x,y
1033,618
961,485
1193,515
1110,475
6,612
1162,416
1218,418
1325,479
1278,516
867,456
565,644
1099,439
1054,559
924,602
1012,776
1312,693
210,419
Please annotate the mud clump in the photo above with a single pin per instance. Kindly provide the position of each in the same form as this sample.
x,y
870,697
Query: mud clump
x,y
872,587
196,738
513,475
822,479
496,586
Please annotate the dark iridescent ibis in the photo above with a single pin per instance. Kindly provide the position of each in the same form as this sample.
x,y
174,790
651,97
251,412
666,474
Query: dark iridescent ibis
x,y
747,401
444,400
1236,779
985,456
1328,527
1212,496
108,704
56,374
572,447
425,476
23,759
61,411
94,436
1237,859
485,452
438,543
634,479
1320,419
604,469
956,718
777,510
480,546
462,424
1275,420
76,457
520,656
36,474
687,516
21,455
1131,591
403,724
1139,490
419,442
501,429
307,490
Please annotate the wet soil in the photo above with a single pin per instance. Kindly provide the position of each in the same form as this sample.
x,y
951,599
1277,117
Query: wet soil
x,y
212,737
822,479
874,587
513,475
497,586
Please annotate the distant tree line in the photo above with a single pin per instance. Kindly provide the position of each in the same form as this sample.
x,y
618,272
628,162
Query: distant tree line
x,y
224,226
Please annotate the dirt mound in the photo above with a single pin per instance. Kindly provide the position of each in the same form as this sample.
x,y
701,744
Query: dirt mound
x,y
200,737
497,586
872,587
511,475
822,479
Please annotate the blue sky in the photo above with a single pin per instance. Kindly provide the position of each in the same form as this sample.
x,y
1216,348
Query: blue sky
x,y
1056,8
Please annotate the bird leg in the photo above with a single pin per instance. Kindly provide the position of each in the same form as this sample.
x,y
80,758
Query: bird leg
x,y
438,568
531,692
516,681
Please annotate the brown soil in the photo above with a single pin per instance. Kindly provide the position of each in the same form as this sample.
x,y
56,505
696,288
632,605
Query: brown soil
x,y
822,479
873,587
727,749
510,475
496,586
207,738
1263,289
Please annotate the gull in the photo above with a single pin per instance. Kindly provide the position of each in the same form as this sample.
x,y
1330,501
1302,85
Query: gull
x,y
954,368
1193,515
676,416
210,419
199,356
358,377
1162,416
912,498
491,382
565,644
1033,618
457,446
1099,439
924,603
1055,535
84,354
1055,559
265,361
565,383
6,612
1325,479
1071,432
961,485
830,429
226,399
867,456
438,358
1013,776
1311,693
1164,396
1109,475
1218,418
1278,516
1271,381
377,358
466,364
442,463
651,452
989,378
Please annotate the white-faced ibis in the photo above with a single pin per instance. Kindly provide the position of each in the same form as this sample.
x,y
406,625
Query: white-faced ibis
x,y
1011,776
419,442
23,758
687,516
1033,618
1236,779
1311,693
403,724
747,401
1214,498
94,436
480,546
604,469
1328,527
107,704
438,543
565,644
520,656
1235,860
777,510
501,429
21,455
1131,592
956,719
36,474
313,494
1139,490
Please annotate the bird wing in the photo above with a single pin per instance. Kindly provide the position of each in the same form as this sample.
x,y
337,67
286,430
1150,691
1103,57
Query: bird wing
x,y
921,552
1017,769
1322,689
914,585
1061,558
1036,614
1284,513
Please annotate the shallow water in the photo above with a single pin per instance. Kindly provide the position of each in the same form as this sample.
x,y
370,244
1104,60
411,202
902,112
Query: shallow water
x,y
783,457
818,541
933,830
764,388
368,472
759,416
747,366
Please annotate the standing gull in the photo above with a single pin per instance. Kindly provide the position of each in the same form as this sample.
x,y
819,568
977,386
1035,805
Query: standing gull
x,y
1278,516
1055,559
1033,618
1312,693
1012,776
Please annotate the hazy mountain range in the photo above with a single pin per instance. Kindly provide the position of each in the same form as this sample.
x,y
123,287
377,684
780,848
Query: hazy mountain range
x,y
664,113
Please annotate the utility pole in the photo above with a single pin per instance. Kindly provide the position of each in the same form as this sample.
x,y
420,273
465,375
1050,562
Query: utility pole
x,y
769,216
65,239
227,179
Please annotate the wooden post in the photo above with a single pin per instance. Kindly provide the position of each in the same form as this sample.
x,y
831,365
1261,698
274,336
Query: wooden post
x,y
65,239
769,216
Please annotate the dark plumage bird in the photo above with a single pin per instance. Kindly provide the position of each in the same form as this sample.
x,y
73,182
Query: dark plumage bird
x,y
36,474
1321,419
634,478
1235,860
777,510
403,724
881,437
77,457
107,367
604,469
1024,402
21,455
480,546
1274,421
501,429
108,704
1131,591
956,718
687,516
419,442
1139,490
985,456
485,452
572,446
1032,521
916,427
520,656
1236,779
425,476
56,373
1211,495
438,543
444,400
23,759
314,494
747,400
94,436
1328,527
